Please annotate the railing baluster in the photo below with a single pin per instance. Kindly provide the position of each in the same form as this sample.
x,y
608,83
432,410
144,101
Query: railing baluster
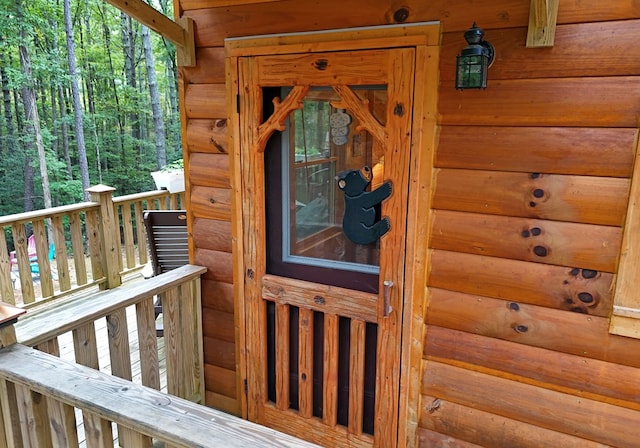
x,y
147,343
77,244
10,416
356,376
62,263
7,292
51,346
24,268
282,356
305,363
330,370
62,420
141,234
119,351
34,417
85,346
42,265
127,230
172,345
98,432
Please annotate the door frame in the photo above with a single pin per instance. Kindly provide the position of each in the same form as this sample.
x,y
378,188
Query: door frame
x,y
425,39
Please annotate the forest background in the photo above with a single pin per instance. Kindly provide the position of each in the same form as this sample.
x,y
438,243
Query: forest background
x,y
89,96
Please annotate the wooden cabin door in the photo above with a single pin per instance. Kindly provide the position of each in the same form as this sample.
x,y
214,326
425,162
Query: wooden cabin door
x,y
322,169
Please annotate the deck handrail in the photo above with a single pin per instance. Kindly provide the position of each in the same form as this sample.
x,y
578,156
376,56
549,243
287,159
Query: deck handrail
x,y
89,245
142,414
182,329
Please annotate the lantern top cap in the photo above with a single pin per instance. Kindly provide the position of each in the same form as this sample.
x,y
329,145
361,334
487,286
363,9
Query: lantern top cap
x,y
474,35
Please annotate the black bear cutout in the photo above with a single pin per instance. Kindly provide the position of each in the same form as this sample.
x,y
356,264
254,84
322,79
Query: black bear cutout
x,y
360,223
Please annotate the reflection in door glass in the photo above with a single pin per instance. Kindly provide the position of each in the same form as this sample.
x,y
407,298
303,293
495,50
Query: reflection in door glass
x,y
321,141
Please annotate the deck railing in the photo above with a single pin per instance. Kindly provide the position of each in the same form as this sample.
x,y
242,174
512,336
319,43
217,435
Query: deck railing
x,y
43,397
76,247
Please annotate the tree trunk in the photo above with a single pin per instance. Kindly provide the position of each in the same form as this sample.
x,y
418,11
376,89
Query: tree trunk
x,y
62,103
130,72
77,107
158,123
32,123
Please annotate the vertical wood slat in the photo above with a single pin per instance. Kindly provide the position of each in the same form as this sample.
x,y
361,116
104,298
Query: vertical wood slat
x,y
93,234
189,362
119,351
42,252
3,422
128,437
6,287
62,422
34,418
10,415
170,320
51,346
118,236
24,268
127,228
148,344
77,243
305,363
98,432
356,376
197,345
85,346
282,347
62,263
330,370
140,232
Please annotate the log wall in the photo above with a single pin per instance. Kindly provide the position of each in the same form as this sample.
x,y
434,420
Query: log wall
x,y
531,186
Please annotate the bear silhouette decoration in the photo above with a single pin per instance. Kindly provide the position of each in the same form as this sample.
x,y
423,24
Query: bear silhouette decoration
x,y
359,223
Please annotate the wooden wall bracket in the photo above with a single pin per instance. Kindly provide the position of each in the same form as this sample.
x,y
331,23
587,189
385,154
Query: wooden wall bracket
x,y
543,16
179,32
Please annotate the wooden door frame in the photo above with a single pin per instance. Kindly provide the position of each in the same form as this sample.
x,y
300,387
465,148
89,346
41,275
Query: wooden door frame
x,y
425,38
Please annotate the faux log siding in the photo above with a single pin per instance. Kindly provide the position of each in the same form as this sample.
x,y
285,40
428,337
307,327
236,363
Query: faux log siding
x,y
595,379
555,106
213,25
463,422
556,411
589,200
559,287
498,316
551,150
553,242
210,208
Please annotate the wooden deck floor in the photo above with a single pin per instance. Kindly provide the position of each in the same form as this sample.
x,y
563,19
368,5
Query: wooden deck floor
x,y
67,352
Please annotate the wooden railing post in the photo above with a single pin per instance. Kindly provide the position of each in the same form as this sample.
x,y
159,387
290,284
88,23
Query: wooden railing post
x,y
9,418
107,233
8,316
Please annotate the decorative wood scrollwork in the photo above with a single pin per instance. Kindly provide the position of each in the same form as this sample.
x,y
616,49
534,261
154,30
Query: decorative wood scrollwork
x,y
281,111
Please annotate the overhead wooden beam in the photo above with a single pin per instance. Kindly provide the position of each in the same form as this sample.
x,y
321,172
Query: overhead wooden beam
x,y
179,32
543,15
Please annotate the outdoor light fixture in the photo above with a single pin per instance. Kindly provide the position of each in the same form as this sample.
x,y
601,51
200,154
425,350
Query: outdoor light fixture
x,y
473,63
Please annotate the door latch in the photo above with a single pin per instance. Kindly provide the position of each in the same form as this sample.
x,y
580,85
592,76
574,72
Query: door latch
x,y
386,292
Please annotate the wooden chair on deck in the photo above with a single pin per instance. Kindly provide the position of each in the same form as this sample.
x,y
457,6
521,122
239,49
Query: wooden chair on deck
x,y
168,245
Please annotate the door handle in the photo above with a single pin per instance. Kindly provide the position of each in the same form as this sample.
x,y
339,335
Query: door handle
x,y
386,292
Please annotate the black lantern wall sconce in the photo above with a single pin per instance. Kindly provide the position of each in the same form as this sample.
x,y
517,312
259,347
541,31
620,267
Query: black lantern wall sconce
x,y
472,64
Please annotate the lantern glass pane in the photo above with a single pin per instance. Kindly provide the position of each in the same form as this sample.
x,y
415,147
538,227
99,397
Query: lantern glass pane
x,y
471,72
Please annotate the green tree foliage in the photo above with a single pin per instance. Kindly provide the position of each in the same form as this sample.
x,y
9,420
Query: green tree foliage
x,y
118,155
